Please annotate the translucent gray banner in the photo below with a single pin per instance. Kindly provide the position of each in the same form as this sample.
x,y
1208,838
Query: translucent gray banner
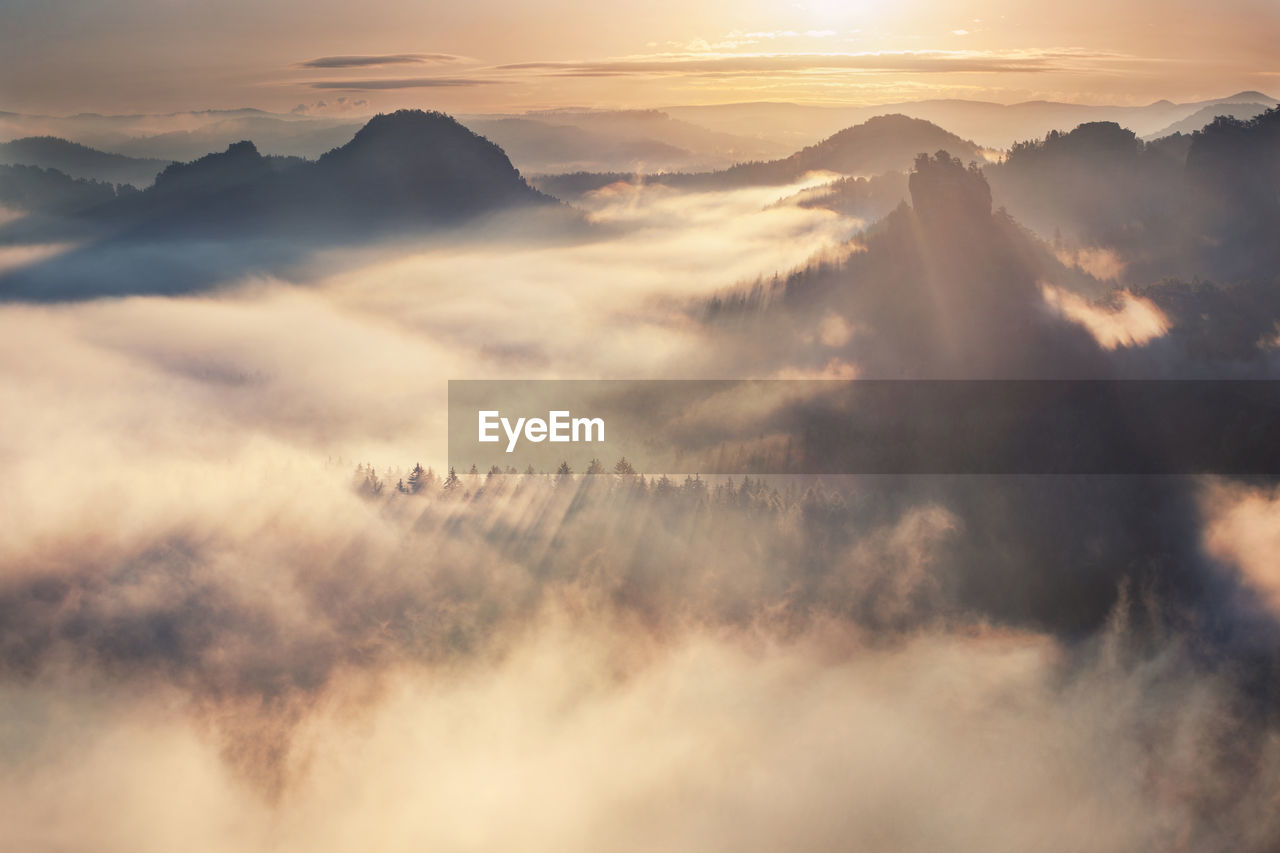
x,y
867,427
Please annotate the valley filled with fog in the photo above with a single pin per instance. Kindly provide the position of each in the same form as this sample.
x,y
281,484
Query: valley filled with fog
x,y
234,615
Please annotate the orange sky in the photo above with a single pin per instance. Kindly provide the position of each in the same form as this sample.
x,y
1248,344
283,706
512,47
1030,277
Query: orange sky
x,y
62,56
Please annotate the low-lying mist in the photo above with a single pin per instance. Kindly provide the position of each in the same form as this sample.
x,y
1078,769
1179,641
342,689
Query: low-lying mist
x,y
213,636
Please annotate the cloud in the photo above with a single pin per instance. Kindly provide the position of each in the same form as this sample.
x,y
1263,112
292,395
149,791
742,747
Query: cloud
x,y
1101,263
400,83
340,105
588,737
1244,529
375,60
1130,321
16,257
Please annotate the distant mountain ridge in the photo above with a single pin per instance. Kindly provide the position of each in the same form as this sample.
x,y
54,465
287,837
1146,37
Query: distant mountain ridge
x,y
881,144
550,147
80,161
711,136
187,135
274,135
400,170
987,123
404,175
1205,116
553,141
27,190
886,143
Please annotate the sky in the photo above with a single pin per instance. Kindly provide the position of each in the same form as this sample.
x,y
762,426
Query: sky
x,y
122,56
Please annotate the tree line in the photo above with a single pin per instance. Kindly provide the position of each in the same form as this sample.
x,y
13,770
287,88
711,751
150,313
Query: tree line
x,y
622,476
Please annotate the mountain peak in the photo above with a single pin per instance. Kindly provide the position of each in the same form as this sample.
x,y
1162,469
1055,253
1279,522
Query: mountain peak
x,y
240,163
243,149
883,143
888,123
410,159
404,131
401,120
1251,96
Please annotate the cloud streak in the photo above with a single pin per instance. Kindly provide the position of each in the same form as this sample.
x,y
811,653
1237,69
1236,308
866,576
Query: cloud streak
x,y
772,63
376,60
400,83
